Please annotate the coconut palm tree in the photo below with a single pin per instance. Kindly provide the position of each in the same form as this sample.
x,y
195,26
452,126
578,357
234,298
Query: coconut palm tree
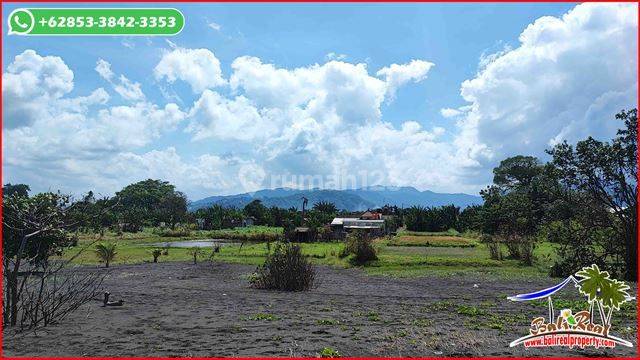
x,y
106,252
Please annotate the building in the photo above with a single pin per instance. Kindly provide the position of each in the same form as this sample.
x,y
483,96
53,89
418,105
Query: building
x,y
371,223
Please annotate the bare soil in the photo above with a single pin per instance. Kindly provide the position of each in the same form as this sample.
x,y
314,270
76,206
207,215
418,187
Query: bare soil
x,y
180,309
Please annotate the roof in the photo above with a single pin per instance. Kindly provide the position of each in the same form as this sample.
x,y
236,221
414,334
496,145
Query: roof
x,y
354,223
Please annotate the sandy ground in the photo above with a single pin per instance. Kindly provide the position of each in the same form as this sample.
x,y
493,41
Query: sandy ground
x,y
180,309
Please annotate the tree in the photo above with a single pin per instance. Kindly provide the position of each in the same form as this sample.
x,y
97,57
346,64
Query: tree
x,y
256,210
149,202
106,253
21,190
516,172
326,207
33,229
606,173
172,208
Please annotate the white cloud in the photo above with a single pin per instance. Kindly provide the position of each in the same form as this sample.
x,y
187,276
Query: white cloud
x,y
565,80
449,112
198,67
126,88
333,56
104,69
30,81
214,116
214,26
397,75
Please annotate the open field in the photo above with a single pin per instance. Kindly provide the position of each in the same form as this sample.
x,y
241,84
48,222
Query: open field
x,y
181,309
395,257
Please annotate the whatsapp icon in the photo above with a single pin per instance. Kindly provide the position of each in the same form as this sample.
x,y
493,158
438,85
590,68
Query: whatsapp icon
x,y
20,21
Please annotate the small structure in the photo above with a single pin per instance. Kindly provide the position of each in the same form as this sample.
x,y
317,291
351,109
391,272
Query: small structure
x,y
248,221
371,223
302,234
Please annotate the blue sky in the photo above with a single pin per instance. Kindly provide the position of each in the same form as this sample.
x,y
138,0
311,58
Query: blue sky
x,y
416,124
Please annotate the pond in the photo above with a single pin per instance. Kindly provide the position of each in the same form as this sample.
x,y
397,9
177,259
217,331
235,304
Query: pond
x,y
205,243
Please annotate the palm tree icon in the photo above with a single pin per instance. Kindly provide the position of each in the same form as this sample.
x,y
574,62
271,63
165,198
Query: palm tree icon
x,y
602,291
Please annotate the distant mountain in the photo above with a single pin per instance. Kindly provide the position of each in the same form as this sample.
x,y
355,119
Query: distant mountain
x,y
350,200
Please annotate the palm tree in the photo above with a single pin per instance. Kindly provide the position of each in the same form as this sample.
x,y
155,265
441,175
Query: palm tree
x,y
326,207
106,252
603,291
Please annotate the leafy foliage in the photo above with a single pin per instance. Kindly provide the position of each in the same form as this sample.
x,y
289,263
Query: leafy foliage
x,y
106,252
360,247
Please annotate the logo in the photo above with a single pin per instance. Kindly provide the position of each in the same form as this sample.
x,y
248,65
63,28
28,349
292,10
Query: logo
x,y
582,328
20,21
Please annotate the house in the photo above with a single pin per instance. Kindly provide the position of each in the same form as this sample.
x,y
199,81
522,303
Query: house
x,y
371,216
248,221
302,234
371,223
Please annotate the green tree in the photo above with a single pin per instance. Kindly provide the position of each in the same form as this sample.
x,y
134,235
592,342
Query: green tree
x,y
258,211
326,207
106,252
149,202
606,174
21,190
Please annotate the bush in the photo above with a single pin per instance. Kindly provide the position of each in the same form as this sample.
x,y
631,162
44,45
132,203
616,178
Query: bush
x,y
156,254
495,250
359,246
284,269
179,231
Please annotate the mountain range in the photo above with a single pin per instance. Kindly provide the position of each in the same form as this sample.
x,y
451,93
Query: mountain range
x,y
350,200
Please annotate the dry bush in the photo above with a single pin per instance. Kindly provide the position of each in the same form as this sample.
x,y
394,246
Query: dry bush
x,y
286,268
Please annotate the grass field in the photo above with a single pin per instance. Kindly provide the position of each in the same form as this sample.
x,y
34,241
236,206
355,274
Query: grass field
x,y
405,255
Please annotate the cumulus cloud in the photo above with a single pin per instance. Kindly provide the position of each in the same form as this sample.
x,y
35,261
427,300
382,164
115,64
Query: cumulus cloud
x,y
30,82
198,67
564,81
397,75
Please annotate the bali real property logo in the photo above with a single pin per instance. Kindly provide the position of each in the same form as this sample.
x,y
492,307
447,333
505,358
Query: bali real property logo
x,y
580,329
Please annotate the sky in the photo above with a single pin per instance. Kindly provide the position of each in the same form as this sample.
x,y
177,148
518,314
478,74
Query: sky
x,y
334,96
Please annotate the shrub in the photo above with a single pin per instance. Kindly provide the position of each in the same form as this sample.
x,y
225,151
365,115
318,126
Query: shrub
x,y
284,269
495,250
106,252
195,252
179,231
329,353
156,254
359,246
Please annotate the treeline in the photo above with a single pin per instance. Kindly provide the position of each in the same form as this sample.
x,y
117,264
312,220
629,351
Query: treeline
x,y
584,200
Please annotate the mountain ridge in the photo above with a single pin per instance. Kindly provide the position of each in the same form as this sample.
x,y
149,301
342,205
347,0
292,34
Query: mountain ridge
x,y
348,199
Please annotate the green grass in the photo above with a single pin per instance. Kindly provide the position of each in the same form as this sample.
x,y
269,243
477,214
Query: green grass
x,y
393,260
432,241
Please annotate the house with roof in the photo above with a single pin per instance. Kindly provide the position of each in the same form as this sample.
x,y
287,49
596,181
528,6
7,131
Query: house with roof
x,y
369,222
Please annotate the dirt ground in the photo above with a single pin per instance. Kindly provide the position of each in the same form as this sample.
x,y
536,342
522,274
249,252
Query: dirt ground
x,y
180,309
